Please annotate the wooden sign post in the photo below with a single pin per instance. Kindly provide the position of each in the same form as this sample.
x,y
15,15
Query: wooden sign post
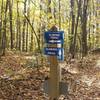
x,y
54,72
54,39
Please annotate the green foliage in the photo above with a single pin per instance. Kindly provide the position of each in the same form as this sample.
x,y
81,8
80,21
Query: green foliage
x,y
41,20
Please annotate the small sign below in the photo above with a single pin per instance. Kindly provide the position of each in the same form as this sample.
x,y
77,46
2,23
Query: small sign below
x,y
52,51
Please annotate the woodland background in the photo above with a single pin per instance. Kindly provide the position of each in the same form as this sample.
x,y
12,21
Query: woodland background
x,y
23,23
23,65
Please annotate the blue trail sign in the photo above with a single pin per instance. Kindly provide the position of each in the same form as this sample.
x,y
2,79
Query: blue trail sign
x,y
59,52
52,51
54,37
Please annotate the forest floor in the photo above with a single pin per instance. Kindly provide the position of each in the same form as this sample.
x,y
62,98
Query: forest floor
x,y
22,79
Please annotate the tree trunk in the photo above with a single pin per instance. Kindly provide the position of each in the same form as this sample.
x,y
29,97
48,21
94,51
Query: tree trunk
x,y
76,26
11,28
97,24
27,31
24,28
32,39
49,12
54,13
17,22
1,27
84,29
72,29
4,30
18,34
59,15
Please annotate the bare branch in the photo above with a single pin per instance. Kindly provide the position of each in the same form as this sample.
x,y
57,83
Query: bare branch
x,y
31,27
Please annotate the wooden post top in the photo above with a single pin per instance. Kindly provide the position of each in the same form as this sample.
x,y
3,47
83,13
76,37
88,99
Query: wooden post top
x,y
54,28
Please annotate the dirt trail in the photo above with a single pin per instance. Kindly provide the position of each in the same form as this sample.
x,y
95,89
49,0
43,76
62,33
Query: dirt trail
x,y
94,78
83,78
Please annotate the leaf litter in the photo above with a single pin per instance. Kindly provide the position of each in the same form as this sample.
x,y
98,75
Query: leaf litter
x,y
20,82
